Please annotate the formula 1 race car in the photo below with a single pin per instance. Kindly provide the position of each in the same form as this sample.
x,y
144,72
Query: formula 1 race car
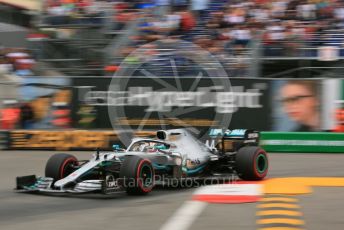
x,y
173,155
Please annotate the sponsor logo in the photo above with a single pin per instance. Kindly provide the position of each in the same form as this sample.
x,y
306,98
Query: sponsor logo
x,y
253,135
236,132
164,101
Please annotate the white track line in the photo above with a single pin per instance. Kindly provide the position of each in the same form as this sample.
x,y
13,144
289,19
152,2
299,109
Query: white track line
x,y
183,218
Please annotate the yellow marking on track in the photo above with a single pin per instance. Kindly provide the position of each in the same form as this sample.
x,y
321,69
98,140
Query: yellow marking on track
x,y
320,181
289,186
285,199
279,212
278,205
299,185
281,221
282,186
280,228
282,217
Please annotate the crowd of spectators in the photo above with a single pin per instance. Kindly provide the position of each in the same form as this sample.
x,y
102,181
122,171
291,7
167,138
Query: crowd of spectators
x,y
229,29
61,12
18,61
14,62
16,115
279,21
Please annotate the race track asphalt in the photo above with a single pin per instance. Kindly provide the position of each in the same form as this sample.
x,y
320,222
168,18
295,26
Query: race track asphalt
x,y
323,209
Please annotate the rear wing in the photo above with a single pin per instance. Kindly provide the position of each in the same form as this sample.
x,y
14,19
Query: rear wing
x,y
232,140
247,134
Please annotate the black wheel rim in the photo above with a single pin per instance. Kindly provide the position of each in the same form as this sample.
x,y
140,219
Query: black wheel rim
x,y
146,176
261,163
68,169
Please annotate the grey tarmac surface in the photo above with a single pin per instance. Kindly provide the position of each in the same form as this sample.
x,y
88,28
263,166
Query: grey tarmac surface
x,y
323,209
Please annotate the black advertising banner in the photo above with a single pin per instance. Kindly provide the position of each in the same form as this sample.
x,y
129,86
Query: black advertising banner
x,y
142,103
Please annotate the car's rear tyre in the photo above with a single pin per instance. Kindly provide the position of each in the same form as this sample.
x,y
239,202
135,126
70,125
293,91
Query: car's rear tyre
x,y
60,165
252,163
137,175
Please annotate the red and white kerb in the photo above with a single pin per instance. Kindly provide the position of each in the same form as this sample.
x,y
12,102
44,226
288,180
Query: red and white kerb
x,y
229,193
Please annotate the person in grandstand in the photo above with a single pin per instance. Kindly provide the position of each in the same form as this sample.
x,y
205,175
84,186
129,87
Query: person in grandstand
x,y
26,116
300,101
339,128
9,115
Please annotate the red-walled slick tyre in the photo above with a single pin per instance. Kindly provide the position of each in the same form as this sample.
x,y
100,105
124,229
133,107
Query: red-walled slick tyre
x,y
60,165
252,163
138,175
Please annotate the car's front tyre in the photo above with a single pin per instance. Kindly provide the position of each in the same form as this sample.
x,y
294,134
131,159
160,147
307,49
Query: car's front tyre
x,y
138,175
60,165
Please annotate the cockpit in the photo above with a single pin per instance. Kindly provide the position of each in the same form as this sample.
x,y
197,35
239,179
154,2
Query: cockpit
x,y
149,146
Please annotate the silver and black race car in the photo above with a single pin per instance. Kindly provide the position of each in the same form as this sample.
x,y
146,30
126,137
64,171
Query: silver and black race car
x,y
174,155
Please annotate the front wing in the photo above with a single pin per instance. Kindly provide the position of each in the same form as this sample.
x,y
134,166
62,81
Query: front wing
x,y
32,183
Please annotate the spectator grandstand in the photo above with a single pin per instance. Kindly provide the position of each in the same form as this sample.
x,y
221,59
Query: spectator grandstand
x,y
92,37
256,38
